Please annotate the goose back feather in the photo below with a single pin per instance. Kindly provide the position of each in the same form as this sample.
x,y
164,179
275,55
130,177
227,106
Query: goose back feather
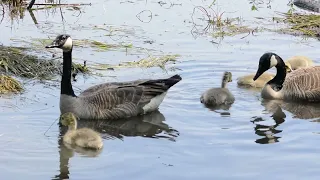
x,y
302,84
118,100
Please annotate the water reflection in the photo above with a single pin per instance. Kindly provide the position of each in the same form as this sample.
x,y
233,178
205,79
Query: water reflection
x,y
267,132
150,125
299,110
224,107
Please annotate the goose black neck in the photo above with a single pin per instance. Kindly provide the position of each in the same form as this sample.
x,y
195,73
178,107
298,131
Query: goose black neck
x,y
66,87
281,74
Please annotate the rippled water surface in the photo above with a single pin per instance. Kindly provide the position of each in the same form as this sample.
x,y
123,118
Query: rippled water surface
x,y
184,140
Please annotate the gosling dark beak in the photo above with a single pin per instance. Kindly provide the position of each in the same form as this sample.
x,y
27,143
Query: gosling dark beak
x,y
54,44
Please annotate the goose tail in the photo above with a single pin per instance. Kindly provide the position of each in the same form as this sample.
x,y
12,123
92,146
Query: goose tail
x,y
164,84
173,80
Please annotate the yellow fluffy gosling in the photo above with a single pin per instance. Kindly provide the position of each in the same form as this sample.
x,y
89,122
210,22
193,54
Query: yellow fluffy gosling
x,y
84,137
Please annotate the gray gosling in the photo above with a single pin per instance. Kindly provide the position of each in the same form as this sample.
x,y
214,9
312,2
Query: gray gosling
x,y
219,96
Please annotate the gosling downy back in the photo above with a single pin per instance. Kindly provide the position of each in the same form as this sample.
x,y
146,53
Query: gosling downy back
x,y
219,96
247,81
114,100
302,84
296,62
84,137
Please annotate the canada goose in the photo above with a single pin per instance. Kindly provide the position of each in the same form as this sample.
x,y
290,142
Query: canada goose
x,y
84,137
113,100
293,63
219,96
300,85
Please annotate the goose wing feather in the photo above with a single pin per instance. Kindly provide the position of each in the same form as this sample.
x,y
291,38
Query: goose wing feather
x,y
121,100
303,84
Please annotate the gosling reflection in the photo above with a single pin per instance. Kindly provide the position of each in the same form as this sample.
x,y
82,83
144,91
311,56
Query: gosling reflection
x,y
268,132
299,110
150,125
223,109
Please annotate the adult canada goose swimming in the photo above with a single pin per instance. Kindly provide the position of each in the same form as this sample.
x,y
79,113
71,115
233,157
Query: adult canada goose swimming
x,y
219,96
84,137
113,100
293,63
302,84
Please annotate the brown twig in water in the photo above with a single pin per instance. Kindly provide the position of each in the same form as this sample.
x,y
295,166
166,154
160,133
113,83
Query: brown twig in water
x,y
48,4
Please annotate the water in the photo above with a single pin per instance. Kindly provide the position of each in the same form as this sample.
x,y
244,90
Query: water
x,y
184,140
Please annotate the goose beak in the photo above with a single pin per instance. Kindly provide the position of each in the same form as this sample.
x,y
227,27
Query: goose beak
x,y
258,74
54,44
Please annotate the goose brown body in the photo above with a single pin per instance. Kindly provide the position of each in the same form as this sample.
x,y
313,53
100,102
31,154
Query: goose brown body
x,y
302,84
118,100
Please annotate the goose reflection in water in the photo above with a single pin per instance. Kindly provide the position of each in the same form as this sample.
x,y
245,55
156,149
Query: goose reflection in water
x,y
268,132
150,125
301,110
276,107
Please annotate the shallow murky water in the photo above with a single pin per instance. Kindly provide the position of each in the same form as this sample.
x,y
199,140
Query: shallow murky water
x,y
184,140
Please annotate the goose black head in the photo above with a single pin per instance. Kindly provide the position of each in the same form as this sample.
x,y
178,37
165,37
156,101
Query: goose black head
x,y
267,61
63,42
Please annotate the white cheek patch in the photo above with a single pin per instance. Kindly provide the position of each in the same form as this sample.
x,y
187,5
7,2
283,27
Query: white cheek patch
x,y
68,44
273,61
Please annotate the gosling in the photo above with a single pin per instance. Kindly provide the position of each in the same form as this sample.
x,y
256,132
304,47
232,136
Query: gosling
x,y
84,137
219,96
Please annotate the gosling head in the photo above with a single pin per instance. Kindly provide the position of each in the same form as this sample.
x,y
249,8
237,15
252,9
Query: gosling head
x,y
288,67
67,119
267,61
63,42
227,77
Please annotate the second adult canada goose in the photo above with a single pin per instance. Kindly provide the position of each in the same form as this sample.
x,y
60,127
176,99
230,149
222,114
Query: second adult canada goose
x,y
293,63
113,100
219,96
300,85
